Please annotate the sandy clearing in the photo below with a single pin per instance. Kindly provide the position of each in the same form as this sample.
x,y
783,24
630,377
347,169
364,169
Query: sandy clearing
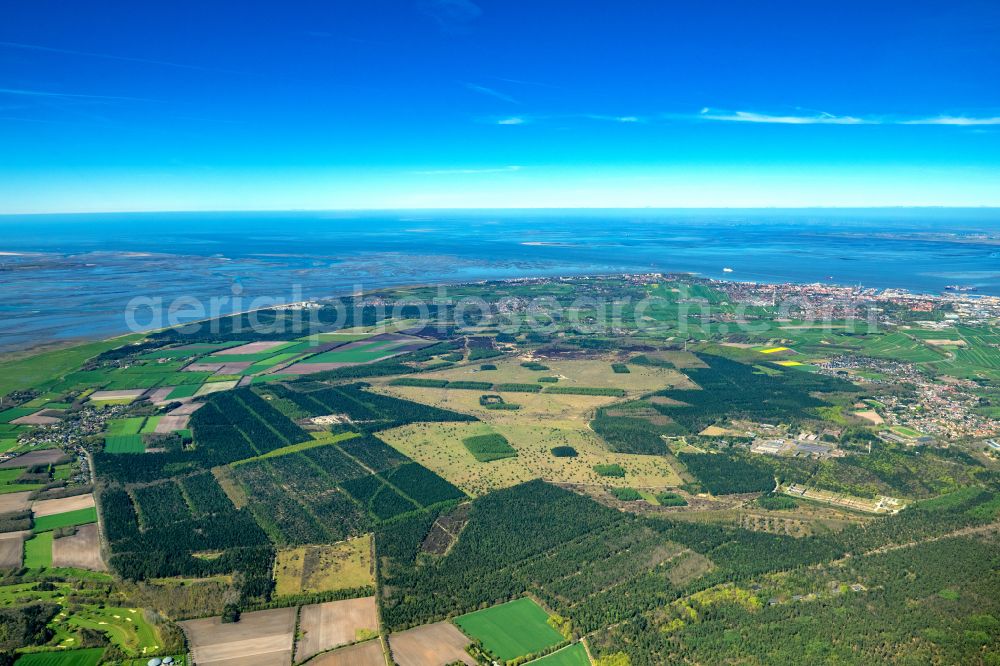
x,y
82,550
266,636
51,507
328,625
430,645
362,654
871,415
12,548
14,502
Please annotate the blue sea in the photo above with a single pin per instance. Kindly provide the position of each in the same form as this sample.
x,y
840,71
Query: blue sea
x,y
69,277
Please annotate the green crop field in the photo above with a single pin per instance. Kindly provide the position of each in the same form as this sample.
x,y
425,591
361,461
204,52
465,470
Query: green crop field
x,y
184,391
150,425
571,655
78,517
38,551
124,444
901,348
8,481
8,415
88,657
372,351
511,630
129,426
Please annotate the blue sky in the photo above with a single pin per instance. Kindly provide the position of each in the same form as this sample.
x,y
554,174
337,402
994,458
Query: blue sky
x,y
110,106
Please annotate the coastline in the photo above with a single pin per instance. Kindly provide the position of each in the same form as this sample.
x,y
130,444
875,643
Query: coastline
x,y
7,358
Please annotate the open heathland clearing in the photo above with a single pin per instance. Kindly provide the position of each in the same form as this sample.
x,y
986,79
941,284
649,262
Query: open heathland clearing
x,y
511,630
570,374
324,568
534,407
335,623
430,645
440,447
263,637
80,551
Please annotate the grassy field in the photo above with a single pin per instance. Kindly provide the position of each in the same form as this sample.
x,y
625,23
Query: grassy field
x,y
511,630
184,391
36,370
38,551
124,444
7,485
87,657
440,447
78,517
901,348
571,655
363,353
129,426
311,569
150,425
8,415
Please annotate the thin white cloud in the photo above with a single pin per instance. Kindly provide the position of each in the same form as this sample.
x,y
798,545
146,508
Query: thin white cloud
x,y
613,119
525,119
812,119
445,172
483,90
708,114
961,121
824,118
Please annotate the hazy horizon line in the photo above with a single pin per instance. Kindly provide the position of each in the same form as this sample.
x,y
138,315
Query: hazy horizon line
x,y
498,208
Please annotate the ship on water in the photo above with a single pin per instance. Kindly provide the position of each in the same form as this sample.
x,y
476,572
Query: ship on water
x,y
959,287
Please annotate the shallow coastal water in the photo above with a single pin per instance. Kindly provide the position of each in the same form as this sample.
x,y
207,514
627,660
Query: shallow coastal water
x,y
71,276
